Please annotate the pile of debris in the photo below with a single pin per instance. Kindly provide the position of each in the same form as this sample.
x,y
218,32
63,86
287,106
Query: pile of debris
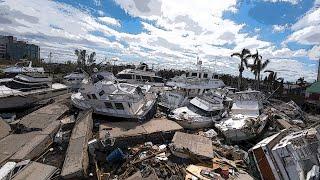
x,y
286,116
187,156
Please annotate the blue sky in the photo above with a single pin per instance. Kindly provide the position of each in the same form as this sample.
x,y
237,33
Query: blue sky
x,y
172,33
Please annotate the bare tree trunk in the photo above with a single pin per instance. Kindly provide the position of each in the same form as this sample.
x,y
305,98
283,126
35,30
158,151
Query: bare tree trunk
x,y
240,80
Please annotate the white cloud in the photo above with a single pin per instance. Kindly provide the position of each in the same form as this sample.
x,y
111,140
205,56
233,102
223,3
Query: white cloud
x,y
110,21
174,37
314,53
294,2
279,28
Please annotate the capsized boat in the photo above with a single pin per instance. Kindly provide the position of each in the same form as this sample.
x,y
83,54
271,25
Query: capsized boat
x,y
246,119
106,96
200,112
27,89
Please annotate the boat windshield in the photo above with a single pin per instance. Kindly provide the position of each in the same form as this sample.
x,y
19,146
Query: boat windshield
x,y
202,112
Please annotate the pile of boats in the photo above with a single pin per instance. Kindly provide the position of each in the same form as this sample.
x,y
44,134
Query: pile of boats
x,y
196,99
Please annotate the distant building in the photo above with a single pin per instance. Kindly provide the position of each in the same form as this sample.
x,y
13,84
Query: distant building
x,y
11,49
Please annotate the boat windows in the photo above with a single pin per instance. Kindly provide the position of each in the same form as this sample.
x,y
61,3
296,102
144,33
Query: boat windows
x,y
119,106
108,105
101,93
205,75
146,78
158,79
94,96
124,76
194,74
88,95
138,77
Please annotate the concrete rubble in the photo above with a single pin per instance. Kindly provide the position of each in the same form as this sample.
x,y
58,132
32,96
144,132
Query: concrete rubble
x,y
77,161
35,170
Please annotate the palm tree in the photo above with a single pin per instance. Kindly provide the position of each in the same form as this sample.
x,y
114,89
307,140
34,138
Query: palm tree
x,y
301,82
258,66
244,55
91,58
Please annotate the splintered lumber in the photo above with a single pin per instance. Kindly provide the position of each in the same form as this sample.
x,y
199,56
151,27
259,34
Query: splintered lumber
x,y
36,171
196,144
77,161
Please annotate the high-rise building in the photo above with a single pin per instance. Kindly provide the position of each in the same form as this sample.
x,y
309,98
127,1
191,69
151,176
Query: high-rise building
x,y
11,49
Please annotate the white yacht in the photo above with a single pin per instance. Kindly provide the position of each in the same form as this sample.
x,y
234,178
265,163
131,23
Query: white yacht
x,y
27,89
74,79
141,75
196,82
200,112
110,98
246,119
22,67
189,85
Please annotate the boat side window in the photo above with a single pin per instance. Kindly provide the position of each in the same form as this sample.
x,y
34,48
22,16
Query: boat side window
x,y
147,78
138,77
119,106
108,105
88,95
194,74
94,96
101,93
158,79
205,75
129,105
124,76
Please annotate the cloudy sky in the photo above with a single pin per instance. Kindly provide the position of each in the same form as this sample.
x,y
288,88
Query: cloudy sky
x,y
172,33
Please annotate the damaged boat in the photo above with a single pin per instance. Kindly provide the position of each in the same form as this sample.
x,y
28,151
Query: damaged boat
x,y
200,112
141,75
27,89
74,79
246,119
108,97
189,85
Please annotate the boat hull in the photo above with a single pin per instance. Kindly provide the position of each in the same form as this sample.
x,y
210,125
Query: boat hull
x,y
148,111
22,100
195,124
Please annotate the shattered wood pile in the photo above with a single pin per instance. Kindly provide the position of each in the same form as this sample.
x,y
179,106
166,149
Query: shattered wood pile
x,y
77,160
179,159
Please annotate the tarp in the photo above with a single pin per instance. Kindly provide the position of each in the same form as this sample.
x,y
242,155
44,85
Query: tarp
x,y
314,88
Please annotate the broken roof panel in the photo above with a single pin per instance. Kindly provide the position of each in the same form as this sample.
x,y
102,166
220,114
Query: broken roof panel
x,y
196,144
